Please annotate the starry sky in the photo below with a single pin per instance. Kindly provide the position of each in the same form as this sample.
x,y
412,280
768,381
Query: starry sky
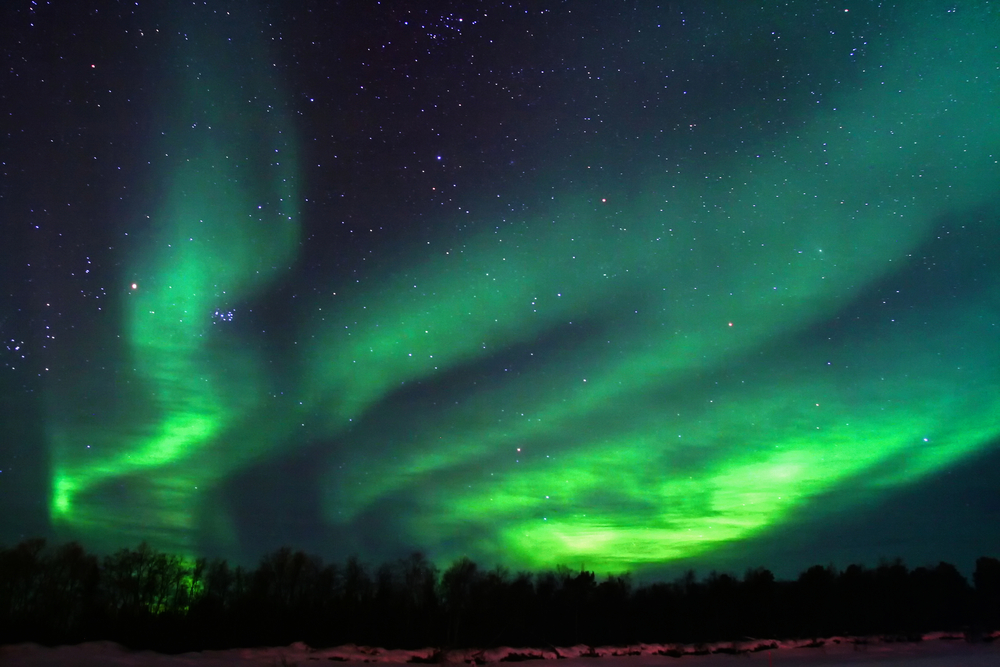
x,y
623,285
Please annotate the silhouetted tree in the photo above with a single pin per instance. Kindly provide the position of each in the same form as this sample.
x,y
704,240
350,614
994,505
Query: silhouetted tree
x,y
21,573
68,589
855,608
816,601
457,585
892,598
940,598
758,602
147,599
576,598
356,596
138,582
987,582
612,621
419,580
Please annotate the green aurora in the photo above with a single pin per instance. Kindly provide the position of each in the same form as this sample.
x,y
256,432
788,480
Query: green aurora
x,y
226,227
691,403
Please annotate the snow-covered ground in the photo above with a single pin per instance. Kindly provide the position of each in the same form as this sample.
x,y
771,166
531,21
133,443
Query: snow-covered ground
x,y
936,650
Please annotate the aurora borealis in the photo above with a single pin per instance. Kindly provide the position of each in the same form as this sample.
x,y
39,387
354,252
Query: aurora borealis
x,y
623,286
209,244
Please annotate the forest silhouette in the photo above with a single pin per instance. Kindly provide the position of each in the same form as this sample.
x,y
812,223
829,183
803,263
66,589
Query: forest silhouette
x,y
146,599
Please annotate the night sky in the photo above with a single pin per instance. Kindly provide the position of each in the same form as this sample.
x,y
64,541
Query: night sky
x,y
623,285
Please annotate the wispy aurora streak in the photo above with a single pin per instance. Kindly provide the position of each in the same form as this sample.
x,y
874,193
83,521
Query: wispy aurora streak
x,y
688,407
226,226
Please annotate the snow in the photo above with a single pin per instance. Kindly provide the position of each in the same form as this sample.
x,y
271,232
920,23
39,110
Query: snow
x,y
936,650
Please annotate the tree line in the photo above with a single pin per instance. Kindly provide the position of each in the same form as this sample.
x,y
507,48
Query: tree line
x,y
146,599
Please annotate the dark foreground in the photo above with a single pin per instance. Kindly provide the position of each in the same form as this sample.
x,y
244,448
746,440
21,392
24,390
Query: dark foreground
x,y
144,599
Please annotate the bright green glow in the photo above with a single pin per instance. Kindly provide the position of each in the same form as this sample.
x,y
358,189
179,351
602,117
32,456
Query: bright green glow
x,y
694,419
782,239
226,226
638,484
